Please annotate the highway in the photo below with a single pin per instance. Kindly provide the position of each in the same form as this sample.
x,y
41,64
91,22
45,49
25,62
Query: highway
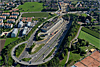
x,y
45,50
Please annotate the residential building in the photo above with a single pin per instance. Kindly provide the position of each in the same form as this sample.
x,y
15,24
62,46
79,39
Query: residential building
x,y
1,20
10,20
13,10
87,21
13,17
5,14
1,3
1,24
8,25
92,9
24,31
20,24
29,24
14,33
95,22
3,17
15,13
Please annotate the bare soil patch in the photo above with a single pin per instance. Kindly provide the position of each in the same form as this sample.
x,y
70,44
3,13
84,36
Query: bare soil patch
x,y
2,43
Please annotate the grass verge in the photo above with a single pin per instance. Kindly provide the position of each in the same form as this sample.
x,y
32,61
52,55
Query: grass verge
x,y
26,59
38,48
19,50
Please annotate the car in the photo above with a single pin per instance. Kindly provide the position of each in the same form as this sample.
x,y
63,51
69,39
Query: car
x,y
53,53
30,62
19,60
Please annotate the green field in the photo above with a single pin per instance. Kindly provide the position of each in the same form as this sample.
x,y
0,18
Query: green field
x,y
35,15
95,41
91,31
30,7
9,40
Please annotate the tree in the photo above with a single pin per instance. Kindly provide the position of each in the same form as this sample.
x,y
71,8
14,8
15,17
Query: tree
x,y
73,47
87,43
62,55
79,50
89,17
65,51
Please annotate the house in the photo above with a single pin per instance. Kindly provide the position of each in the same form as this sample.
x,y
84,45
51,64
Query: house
x,y
2,3
14,33
7,25
1,20
10,20
87,21
1,24
92,9
97,11
13,10
24,31
5,14
28,20
13,17
20,24
80,5
3,17
8,8
95,22
29,24
7,4
15,13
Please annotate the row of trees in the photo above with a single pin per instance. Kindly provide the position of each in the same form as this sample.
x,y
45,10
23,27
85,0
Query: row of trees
x,y
79,9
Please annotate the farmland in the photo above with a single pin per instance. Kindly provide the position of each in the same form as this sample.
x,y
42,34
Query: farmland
x,y
91,32
2,43
95,41
30,7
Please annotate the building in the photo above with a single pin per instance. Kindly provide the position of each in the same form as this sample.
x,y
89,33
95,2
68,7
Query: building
x,y
92,9
1,20
2,3
14,33
15,13
3,17
1,24
13,10
8,25
20,24
13,17
29,24
5,14
51,25
24,31
10,20
87,21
